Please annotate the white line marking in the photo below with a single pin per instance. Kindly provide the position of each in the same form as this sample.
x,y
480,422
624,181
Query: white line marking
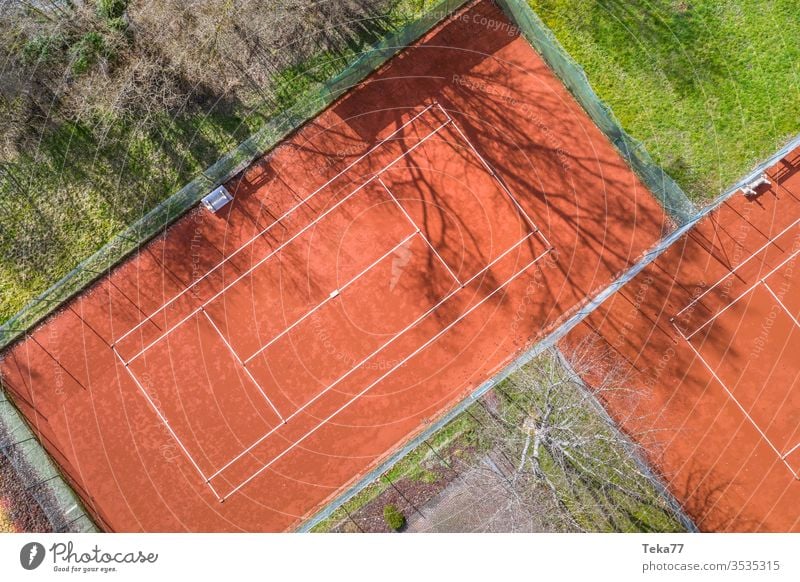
x,y
165,422
778,299
241,363
333,295
422,234
365,390
737,267
793,449
729,305
284,244
499,180
732,397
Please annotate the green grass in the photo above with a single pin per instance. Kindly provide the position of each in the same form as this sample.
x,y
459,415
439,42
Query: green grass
x,y
77,192
710,86
81,186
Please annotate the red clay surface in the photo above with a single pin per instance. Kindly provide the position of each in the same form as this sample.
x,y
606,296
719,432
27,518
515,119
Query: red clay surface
x,y
181,379
723,377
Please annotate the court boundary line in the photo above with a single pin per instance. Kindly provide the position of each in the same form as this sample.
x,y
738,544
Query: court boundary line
x,y
419,231
760,281
241,364
330,297
534,230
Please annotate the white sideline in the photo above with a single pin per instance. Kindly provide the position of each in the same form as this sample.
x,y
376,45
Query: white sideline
x,y
403,361
278,220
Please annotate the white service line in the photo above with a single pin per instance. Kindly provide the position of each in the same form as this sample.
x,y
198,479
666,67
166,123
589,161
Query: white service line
x,y
334,294
498,179
165,422
737,267
377,351
238,359
422,234
365,390
276,222
740,296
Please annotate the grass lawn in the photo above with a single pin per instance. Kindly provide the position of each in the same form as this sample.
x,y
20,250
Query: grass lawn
x,y
710,86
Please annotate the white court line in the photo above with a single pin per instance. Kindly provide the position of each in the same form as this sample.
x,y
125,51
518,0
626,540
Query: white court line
x,y
778,299
285,243
329,298
793,449
165,422
422,234
384,376
277,221
270,255
730,395
499,180
737,267
241,363
729,305
377,351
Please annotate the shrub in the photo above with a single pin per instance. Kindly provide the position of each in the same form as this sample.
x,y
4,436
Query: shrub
x,y
42,48
86,52
394,517
111,9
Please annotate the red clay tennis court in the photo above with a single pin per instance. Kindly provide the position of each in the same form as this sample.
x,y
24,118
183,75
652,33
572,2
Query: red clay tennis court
x,y
395,253
234,363
712,331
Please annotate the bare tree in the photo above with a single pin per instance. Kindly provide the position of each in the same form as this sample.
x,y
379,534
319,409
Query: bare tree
x,y
546,433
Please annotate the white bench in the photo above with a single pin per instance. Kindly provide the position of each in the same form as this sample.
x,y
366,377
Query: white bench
x,y
217,199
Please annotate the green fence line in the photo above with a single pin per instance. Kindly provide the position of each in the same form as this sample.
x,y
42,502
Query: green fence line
x,y
311,103
669,194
